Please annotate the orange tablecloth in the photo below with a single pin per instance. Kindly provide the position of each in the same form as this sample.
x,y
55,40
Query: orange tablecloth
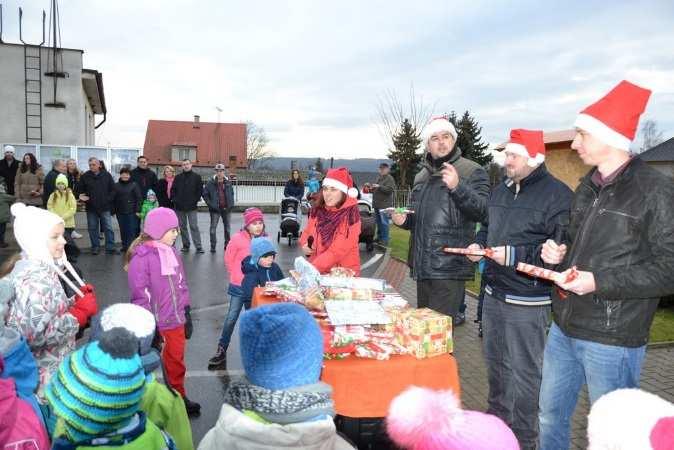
x,y
364,387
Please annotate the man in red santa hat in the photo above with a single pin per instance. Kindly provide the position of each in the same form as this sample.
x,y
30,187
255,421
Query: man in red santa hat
x,y
621,239
527,208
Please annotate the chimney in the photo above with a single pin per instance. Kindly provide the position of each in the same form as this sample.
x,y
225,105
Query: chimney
x,y
196,121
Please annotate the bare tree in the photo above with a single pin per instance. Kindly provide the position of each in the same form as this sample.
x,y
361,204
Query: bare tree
x,y
392,113
256,145
650,135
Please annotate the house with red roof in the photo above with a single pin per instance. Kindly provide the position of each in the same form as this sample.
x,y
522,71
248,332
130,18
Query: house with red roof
x,y
168,142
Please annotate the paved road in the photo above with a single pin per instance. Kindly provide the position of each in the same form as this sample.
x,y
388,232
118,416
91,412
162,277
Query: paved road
x,y
208,286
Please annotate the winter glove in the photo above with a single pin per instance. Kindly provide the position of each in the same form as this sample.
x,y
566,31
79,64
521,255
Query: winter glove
x,y
188,323
85,306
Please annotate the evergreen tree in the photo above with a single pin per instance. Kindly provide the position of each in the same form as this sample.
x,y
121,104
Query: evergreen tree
x,y
469,139
404,154
319,165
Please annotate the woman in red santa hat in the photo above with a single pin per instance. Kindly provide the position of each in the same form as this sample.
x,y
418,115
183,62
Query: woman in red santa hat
x,y
331,236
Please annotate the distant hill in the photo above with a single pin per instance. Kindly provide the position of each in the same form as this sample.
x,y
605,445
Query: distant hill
x,y
354,165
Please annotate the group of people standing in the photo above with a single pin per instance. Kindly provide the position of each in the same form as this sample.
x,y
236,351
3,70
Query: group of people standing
x,y
612,241
136,192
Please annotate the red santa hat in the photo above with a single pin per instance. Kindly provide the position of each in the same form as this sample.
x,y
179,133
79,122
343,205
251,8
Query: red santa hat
x,y
613,119
340,179
527,143
436,125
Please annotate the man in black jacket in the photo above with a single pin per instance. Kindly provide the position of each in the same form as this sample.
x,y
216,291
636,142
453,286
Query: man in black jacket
x,y
186,193
8,167
621,239
219,196
97,190
145,178
49,184
449,196
382,198
527,208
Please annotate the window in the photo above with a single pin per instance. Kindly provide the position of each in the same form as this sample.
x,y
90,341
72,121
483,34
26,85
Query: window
x,y
49,153
179,153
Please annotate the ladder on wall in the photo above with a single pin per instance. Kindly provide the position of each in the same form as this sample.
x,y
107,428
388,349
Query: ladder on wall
x,y
32,55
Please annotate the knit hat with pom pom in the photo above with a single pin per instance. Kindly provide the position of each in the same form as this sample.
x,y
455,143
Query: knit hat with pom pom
x,y
423,419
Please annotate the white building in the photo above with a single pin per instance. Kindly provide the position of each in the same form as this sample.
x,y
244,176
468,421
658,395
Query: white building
x,y
30,109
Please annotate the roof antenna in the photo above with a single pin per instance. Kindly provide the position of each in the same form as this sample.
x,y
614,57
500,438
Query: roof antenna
x,y
54,28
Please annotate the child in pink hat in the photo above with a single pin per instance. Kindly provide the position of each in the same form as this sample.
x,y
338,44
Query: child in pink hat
x,y
235,252
423,419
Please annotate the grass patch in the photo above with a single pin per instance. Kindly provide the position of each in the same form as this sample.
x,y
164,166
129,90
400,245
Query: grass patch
x,y
662,329
399,242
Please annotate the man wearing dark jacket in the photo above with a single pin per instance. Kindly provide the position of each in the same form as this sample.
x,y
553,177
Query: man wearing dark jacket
x,y
145,178
449,196
49,184
186,193
621,239
527,208
382,198
8,167
96,189
219,196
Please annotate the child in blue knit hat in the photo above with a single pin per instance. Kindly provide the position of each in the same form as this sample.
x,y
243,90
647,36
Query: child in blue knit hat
x,y
97,394
259,267
282,403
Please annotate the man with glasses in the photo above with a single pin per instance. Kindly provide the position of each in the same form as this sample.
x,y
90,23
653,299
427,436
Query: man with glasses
x,y
185,193
219,196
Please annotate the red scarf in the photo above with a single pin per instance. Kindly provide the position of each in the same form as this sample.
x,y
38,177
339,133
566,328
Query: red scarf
x,y
327,221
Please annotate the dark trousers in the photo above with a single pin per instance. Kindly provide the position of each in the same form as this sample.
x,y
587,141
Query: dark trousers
x,y
443,296
222,213
186,218
128,228
514,341
3,228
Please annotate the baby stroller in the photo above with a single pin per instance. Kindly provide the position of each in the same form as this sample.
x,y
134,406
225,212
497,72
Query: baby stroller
x,y
367,224
291,220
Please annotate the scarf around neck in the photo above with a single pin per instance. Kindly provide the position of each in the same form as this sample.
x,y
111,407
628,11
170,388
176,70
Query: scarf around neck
x,y
292,405
167,257
327,221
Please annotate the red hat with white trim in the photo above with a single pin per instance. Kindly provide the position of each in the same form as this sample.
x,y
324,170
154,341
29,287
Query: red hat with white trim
x,y
527,143
614,118
340,179
436,125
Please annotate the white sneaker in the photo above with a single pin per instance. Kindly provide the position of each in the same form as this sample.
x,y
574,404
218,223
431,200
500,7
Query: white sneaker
x,y
76,235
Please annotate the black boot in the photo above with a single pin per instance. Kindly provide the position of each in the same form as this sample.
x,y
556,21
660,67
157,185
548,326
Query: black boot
x,y
219,360
479,328
193,408
459,319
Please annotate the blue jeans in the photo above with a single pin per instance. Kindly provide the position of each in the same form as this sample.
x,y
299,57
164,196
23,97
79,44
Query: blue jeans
x,y
383,220
236,303
128,228
569,363
97,220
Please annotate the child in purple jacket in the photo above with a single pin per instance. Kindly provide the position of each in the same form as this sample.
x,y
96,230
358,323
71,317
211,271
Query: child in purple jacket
x,y
157,283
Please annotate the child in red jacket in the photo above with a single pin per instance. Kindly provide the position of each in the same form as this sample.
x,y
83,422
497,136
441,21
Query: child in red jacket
x,y
237,249
331,236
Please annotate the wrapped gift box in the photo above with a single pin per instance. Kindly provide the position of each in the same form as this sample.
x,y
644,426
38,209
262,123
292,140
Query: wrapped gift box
x,y
424,332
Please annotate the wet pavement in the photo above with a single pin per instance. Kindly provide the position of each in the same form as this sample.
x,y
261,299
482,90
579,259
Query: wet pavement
x,y
208,281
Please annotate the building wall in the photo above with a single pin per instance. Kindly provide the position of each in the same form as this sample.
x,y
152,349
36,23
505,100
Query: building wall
x,y
564,163
60,126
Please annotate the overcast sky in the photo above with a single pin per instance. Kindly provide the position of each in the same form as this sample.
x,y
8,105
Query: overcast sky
x,y
310,72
